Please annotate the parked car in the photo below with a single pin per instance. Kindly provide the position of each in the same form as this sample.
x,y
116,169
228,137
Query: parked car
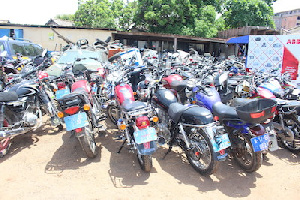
x,y
10,47
88,57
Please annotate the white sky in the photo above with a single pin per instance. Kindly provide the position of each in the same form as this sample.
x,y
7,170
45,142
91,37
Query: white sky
x,y
38,12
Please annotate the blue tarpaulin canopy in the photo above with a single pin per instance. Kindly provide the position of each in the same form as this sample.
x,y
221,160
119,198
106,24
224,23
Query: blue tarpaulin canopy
x,y
239,40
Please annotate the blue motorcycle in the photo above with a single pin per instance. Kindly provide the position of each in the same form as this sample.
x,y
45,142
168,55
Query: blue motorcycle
x,y
248,138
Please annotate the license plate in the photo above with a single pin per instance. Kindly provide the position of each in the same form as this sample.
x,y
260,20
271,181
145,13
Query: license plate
x,y
145,135
260,143
78,120
61,93
221,142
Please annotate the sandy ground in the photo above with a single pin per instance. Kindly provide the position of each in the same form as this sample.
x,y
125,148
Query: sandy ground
x,y
51,165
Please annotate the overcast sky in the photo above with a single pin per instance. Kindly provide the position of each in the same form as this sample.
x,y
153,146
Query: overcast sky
x,y
39,11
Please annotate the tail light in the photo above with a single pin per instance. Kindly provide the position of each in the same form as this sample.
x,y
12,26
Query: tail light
x,y
142,122
258,130
72,110
61,85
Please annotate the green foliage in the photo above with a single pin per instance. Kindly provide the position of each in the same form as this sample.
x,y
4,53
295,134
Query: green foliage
x,y
248,13
184,17
68,17
95,13
188,17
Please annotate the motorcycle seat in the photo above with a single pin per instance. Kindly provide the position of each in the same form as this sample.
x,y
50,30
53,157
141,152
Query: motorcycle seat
x,y
176,109
8,96
179,85
80,90
129,105
224,111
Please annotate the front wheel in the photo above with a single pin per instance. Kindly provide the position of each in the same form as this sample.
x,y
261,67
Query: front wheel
x,y
245,156
87,142
200,154
292,126
145,162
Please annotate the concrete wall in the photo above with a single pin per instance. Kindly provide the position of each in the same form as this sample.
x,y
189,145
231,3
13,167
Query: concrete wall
x,y
48,39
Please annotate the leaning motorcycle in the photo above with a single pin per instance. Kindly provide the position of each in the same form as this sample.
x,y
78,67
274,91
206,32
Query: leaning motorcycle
x,y
79,111
248,138
192,128
20,106
135,123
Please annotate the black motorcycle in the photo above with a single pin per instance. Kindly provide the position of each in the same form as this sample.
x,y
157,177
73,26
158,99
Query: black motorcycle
x,y
192,128
20,106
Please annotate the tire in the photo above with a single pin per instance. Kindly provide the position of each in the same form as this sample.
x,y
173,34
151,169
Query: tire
x,y
113,113
145,162
200,155
87,142
245,156
294,127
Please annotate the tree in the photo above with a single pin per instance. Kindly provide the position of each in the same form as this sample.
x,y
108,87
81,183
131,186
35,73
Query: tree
x,y
105,14
248,13
189,17
68,17
95,14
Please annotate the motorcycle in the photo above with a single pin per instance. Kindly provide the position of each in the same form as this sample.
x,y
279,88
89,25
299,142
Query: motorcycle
x,y
79,110
135,121
285,122
20,107
248,138
192,128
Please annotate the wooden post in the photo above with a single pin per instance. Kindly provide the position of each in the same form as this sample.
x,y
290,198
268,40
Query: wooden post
x,y
175,45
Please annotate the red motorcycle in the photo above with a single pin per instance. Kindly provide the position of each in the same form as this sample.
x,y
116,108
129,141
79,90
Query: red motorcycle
x,y
135,124
79,110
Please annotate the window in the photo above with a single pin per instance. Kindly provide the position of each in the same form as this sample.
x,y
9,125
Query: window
x,y
298,18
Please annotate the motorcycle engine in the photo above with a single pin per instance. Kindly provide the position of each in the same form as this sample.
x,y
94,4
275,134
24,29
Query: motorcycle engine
x,y
162,128
30,119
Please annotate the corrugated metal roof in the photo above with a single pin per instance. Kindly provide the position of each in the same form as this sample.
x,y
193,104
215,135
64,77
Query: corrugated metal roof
x,y
170,36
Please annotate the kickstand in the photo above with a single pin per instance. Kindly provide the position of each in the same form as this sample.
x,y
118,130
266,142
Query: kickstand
x,y
169,150
121,147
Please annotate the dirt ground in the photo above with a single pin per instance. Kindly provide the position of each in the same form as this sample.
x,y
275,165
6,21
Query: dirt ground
x,y
51,165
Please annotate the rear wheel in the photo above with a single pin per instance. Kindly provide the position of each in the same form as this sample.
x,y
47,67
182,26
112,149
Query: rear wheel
x,y
200,154
113,113
87,142
145,162
245,156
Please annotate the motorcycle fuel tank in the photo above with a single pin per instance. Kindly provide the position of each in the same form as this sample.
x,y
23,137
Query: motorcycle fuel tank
x,y
124,92
165,98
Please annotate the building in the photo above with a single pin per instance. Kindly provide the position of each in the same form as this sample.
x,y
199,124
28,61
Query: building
x,y
171,42
287,19
45,36
59,22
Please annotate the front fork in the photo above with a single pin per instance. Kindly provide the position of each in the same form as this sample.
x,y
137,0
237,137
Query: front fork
x,y
2,108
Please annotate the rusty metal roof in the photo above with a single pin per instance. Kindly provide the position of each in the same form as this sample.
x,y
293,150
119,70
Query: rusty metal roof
x,y
161,36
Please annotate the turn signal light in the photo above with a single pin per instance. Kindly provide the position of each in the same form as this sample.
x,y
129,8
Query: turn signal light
x,y
86,107
155,119
60,114
216,118
122,127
